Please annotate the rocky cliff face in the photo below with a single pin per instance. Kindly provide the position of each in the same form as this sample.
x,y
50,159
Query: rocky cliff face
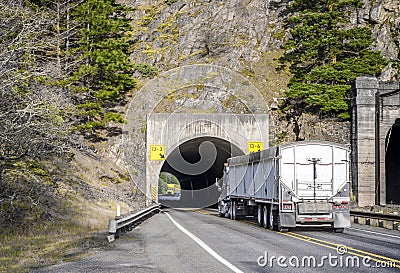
x,y
384,18
246,37
237,34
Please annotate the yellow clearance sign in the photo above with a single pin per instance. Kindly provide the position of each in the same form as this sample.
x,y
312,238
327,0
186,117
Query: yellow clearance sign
x,y
254,146
157,152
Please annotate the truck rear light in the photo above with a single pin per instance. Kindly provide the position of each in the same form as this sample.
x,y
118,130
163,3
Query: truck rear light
x,y
340,206
287,206
316,219
340,201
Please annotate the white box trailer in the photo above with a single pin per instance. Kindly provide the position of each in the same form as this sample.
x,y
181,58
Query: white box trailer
x,y
302,183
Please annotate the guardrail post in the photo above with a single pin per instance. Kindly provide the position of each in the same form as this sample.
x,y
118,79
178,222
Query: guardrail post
x,y
112,226
112,229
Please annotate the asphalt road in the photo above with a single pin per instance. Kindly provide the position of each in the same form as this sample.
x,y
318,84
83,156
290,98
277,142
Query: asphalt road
x,y
199,241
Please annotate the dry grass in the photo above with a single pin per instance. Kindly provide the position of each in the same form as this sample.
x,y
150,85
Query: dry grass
x,y
44,245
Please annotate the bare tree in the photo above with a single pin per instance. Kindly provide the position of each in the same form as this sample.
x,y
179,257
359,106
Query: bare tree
x,y
32,111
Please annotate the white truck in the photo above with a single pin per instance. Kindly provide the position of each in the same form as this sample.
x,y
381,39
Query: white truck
x,y
303,183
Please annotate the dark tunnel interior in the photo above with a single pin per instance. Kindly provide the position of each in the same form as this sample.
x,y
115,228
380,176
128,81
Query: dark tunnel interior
x,y
392,161
199,190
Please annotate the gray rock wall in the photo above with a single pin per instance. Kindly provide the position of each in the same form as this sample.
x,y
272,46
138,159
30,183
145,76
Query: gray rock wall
x,y
246,37
237,34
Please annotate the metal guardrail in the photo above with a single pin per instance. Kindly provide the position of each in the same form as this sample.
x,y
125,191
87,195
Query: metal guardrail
x,y
380,218
118,226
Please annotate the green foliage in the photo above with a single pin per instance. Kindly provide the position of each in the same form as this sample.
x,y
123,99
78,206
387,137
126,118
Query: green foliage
x,y
162,186
147,70
164,179
170,2
324,55
103,78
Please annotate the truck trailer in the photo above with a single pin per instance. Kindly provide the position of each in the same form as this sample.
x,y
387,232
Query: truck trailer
x,y
304,183
174,189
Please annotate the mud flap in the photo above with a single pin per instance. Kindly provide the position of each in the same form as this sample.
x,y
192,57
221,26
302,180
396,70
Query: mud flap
x,y
341,219
288,219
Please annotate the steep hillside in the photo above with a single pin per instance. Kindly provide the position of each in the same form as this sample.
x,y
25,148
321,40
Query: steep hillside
x,y
58,208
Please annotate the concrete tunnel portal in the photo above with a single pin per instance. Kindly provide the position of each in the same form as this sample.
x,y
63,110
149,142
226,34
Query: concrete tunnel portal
x,y
194,149
198,188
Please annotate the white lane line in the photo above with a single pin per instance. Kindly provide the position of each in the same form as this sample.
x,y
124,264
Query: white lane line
x,y
205,246
378,233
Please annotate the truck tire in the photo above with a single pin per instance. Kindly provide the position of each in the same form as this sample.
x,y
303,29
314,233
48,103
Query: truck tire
x,y
259,215
265,216
226,215
277,226
234,210
277,222
271,218
338,230
220,214
230,210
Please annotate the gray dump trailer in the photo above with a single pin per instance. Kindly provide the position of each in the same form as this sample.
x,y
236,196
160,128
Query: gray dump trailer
x,y
297,184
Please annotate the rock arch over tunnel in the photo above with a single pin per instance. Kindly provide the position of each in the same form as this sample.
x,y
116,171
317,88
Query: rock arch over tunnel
x,y
199,88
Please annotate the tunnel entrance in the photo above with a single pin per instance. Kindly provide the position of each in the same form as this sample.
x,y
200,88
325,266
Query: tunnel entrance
x,y
204,166
169,187
392,164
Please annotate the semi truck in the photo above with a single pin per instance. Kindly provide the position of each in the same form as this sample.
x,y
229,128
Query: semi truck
x,y
304,183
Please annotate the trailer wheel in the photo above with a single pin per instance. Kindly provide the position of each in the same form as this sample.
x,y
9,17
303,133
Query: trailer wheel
x,y
226,215
220,214
233,204
265,216
259,215
277,225
271,218
338,230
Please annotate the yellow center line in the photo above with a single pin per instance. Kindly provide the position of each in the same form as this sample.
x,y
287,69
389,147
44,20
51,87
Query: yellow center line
x,y
201,211
248,222
350,250
334,246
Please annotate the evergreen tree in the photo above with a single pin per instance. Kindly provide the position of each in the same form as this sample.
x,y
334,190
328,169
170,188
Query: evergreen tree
x,y
324,55
102,78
